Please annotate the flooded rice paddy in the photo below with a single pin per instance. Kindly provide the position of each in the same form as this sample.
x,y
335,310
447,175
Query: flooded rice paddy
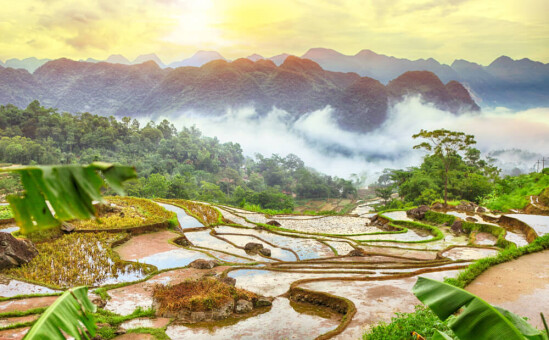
x,y
309,252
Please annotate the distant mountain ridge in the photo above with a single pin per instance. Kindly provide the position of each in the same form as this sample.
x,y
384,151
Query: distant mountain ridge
x,y
517,84
297,86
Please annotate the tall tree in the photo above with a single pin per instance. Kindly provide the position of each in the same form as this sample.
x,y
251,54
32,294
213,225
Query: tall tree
x,y
445,144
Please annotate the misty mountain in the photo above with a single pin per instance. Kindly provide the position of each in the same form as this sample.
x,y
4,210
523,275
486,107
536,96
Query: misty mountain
x,y
117,59
198,59
517,84
297,86
149,57
29,64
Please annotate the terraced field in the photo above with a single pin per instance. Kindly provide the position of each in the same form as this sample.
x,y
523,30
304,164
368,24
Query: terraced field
x,y
330,276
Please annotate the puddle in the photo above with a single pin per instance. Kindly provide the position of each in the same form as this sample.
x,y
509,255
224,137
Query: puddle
x,y
145,323
282,321
173,258
398,215
204,239
234,218
342,248
485,239
10,287
410,236
273,283
9,229
517,238
337,225
185,220
276,253
375,301
538,222
469,253
306,248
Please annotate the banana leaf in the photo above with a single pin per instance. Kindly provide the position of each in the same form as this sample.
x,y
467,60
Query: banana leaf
x,y
441,336
477,319
69,190
71,313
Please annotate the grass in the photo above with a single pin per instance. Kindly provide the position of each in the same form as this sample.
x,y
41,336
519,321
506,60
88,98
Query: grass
x,y
205,214
76,259
439,218
129,212
197,295
112,321
5,212
422,321
513,192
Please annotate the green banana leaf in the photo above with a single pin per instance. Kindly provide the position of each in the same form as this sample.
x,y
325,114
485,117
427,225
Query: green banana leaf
x,y
441,336
69,190
71,313
477,318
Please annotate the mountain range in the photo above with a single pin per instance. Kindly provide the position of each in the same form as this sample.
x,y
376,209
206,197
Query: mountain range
x,y
516,84
298,86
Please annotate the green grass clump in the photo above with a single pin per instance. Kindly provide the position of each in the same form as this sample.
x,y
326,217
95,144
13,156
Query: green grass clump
x,y
491,229
5,212
513,192
76,259
423,321
439,218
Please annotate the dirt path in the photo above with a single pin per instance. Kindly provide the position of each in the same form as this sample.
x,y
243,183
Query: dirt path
x,y
520,286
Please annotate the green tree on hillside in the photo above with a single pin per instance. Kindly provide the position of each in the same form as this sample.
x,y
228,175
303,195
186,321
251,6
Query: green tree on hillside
x,y
446,145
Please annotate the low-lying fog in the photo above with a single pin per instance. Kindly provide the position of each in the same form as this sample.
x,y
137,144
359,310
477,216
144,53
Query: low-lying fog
x,y
318,140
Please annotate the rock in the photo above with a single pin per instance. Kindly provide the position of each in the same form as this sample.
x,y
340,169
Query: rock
x,y
437,206
203,264
252,247
481,209
224,311
120,331
15,252
457,227
471,219
229,280
67,227
356,252
243,306
183,241
263,302
265,252
198,316
274,223
99,302
418,213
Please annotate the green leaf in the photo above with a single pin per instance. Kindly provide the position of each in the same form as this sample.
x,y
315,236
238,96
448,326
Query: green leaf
x,y
441,336
524,327
71,313
70,191
477,319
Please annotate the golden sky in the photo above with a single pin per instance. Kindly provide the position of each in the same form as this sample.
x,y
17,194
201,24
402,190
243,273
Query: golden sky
x,y
476,30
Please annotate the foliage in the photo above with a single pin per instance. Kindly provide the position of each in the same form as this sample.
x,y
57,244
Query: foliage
x,y
76,259
476,319
133,212
5,212
439,218
69,191
422,321
266,199
513,192
197,295
171,163
71,314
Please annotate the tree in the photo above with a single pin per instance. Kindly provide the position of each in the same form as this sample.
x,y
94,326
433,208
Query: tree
x,y
445,144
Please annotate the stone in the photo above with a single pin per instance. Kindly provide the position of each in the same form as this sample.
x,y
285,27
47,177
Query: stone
x,y
418,213
183,241
229,280
243,306
274,223
67,227
203,264
457,226
265,252
198,316
263,302
252,247
120,331
223,311
481,209
99,302
356,252
15,252
437,206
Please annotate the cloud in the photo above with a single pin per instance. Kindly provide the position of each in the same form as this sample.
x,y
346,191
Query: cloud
x,y
317,139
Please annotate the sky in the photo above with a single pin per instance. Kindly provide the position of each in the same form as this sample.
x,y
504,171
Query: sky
x,y
476,30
